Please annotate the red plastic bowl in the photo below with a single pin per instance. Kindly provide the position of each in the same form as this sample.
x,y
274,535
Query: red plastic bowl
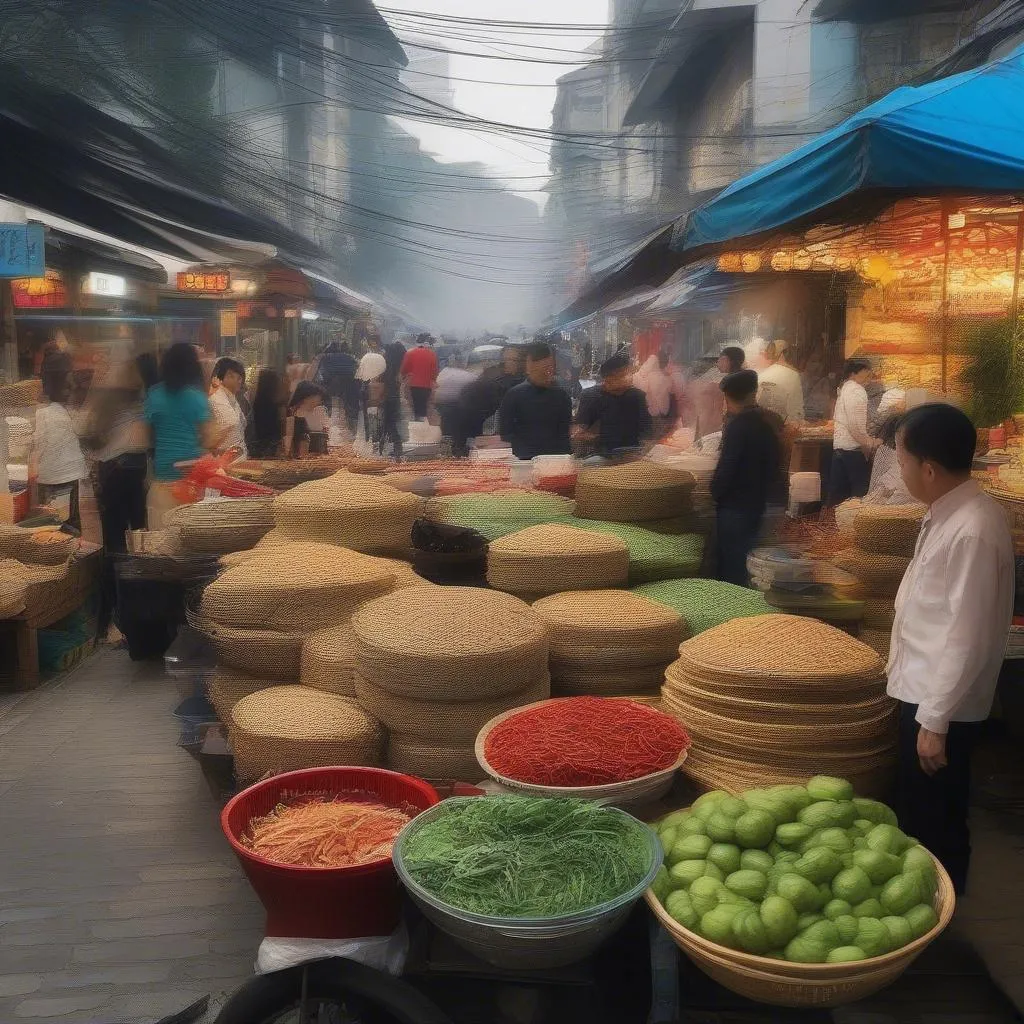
x,y
325,903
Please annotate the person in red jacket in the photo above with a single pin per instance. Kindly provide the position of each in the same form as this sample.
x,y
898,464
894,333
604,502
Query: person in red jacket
x,y
419,371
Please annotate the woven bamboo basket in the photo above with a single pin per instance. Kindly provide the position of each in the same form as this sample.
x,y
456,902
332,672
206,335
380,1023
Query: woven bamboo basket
x,y
879,640
436,721
547,559
572,681
794,650
221,527
20,393
781,983
329,661
1012,504
228,686
619,658
647,788
12,598
609,618
259,652
879,614
294,587
455,644
653,555
433,762
366,516
635,492
888,529
43,587
756,688
716,771
499,512
880,574
36,547
286,728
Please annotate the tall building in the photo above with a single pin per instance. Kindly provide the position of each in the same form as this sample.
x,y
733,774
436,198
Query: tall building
x,y
428,71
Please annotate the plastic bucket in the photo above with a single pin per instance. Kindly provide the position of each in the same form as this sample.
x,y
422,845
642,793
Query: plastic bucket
x,y
325,903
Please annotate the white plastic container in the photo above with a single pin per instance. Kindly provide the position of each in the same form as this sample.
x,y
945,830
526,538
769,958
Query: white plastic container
x,y
520,473
804,487
552,465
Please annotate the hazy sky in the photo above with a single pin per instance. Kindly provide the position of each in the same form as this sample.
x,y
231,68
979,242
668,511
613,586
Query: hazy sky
x,y
524,90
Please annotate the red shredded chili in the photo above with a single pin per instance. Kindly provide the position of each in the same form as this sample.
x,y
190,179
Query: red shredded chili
x,y
585,741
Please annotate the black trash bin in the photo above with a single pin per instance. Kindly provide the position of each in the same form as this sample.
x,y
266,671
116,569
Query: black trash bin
x,y
452,555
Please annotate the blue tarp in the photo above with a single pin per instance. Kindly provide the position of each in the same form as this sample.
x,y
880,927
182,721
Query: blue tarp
x,y
964,133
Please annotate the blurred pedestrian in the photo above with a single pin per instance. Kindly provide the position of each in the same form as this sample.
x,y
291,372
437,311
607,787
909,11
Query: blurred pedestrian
x,y
336,374
266,432
372,367
536,416
655,381
852,445
780,386
419,371
229,419
614,414
452,381
57,451
298,437
181,424
746,474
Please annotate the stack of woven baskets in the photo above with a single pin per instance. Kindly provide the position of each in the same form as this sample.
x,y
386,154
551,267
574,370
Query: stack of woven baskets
x,y
434,664
609,643
543,560
221,527
778,698
657,497
706,603
349,509
279,617
885,536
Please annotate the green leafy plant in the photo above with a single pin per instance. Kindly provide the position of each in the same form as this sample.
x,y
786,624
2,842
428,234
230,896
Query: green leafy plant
x,y
993,374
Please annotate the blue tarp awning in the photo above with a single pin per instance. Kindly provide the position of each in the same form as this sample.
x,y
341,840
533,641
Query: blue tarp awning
x,y
963,133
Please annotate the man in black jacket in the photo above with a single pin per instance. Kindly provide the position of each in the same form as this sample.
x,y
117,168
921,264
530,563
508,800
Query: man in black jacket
x,y
746,474
535,416
614,414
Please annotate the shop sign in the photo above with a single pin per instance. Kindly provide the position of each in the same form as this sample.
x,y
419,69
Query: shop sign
x,y
22,250
39,292
108,286
203,281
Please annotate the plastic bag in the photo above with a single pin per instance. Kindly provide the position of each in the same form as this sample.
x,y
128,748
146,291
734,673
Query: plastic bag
x,y
381,952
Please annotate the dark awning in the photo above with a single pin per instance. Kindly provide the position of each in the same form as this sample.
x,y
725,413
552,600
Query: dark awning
x,y
687,52
880,10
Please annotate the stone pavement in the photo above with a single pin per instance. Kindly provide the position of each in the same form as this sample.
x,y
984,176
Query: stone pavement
x,y
119,898
120,901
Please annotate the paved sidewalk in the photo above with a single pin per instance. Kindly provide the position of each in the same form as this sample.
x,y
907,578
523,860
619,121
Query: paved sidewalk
x,y
119,898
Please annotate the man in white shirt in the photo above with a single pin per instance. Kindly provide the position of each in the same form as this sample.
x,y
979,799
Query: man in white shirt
x,y
781,389
228,379
852,445
953,616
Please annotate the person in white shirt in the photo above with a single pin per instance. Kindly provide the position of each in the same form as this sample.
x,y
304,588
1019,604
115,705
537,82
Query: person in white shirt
x,y
371,368
953,614
57,451
229,420
781,389
852,445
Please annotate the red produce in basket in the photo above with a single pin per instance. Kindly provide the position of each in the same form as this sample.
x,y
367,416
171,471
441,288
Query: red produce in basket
x,y
209,473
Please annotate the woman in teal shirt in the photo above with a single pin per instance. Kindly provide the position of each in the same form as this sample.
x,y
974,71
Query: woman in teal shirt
x,y
178,413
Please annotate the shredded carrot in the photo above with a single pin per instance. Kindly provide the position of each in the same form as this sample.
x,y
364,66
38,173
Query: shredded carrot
x,y
325,833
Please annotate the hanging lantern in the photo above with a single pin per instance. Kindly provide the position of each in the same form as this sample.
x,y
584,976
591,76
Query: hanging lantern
x,y
730,263
751,262
782,260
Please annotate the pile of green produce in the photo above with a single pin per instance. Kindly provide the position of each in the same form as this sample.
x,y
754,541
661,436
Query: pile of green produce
x,y
807,874
707,603
526,857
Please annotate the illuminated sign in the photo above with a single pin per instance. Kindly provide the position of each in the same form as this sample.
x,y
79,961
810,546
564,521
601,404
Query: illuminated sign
x,y
109,285
203,281
39,292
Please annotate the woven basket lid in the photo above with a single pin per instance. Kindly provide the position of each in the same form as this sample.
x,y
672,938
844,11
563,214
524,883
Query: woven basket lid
x,y
547,558
888,529
12,598
609,617
36,547
879,614
227,686
652,556
264,652
443,721
788,648
420,640
599,682
294,586
633,492
523,507
879,640
299,713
